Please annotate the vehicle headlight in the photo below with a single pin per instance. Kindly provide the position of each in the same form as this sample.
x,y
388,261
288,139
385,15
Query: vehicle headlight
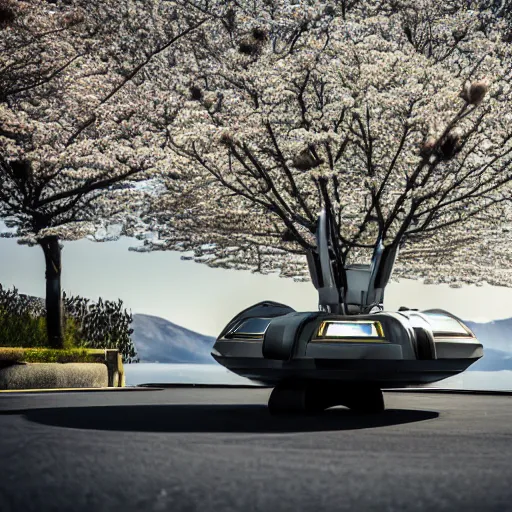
x,y
350,331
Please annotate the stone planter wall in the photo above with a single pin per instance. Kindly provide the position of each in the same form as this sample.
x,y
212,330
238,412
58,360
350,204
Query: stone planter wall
x,y
106,371
54,375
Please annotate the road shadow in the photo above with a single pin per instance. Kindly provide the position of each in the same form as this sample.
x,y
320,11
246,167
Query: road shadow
x,y
215,418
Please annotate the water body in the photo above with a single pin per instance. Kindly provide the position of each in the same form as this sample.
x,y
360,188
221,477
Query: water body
x,y
499,381
144,373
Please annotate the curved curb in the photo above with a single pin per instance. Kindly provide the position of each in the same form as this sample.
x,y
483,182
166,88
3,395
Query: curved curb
x,y
72,390
454,391
165,385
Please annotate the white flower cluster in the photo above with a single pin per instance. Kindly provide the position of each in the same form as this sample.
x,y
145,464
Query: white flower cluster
x,y
395,119
222,128
79,126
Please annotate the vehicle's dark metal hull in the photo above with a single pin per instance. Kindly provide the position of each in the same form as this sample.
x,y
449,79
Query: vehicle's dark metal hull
x,y
384,373
406,350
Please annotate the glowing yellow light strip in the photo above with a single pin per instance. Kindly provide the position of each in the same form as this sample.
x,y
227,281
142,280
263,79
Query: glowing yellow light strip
x,y
349,340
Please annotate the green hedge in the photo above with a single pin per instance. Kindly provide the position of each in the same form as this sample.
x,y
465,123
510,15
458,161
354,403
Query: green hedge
x,y
87,324
102,324
29,331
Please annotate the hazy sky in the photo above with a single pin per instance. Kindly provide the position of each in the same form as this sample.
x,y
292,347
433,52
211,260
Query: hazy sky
x,y
205,299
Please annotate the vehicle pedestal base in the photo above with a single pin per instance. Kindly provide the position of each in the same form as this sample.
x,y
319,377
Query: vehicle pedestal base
x,y
312,397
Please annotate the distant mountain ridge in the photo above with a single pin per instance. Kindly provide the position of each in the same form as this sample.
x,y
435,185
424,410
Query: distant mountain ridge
x,y
496,337
497,333
160,340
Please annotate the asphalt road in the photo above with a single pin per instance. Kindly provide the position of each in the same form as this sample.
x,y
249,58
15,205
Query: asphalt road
x,y
219,450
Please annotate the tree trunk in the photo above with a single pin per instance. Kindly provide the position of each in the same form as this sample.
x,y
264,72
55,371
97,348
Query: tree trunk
x,y
54,313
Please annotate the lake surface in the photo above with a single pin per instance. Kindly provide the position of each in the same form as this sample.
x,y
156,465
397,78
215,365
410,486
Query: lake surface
x,y
500,381
145,373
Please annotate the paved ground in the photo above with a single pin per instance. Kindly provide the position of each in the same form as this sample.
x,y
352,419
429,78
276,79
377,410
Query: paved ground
x,y
219,450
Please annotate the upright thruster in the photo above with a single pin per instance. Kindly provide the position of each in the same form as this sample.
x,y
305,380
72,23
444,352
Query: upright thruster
x,y
314,396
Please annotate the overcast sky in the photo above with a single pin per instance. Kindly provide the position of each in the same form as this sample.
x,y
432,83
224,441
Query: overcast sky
x,y
205,299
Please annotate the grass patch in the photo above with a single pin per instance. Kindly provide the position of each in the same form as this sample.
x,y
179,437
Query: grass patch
x,y
48,355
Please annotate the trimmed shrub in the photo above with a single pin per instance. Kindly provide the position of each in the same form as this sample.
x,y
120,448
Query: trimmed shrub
x,y
88,324
102,324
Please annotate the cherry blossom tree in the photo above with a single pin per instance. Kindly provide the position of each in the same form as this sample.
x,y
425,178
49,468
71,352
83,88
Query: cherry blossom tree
x,y
392,117
472,252
78,132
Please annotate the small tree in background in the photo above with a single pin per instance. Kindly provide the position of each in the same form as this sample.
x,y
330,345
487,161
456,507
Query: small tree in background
x,y
76,133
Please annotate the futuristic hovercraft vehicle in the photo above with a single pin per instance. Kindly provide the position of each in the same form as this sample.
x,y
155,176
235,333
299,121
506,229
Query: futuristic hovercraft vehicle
x,y
348,351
